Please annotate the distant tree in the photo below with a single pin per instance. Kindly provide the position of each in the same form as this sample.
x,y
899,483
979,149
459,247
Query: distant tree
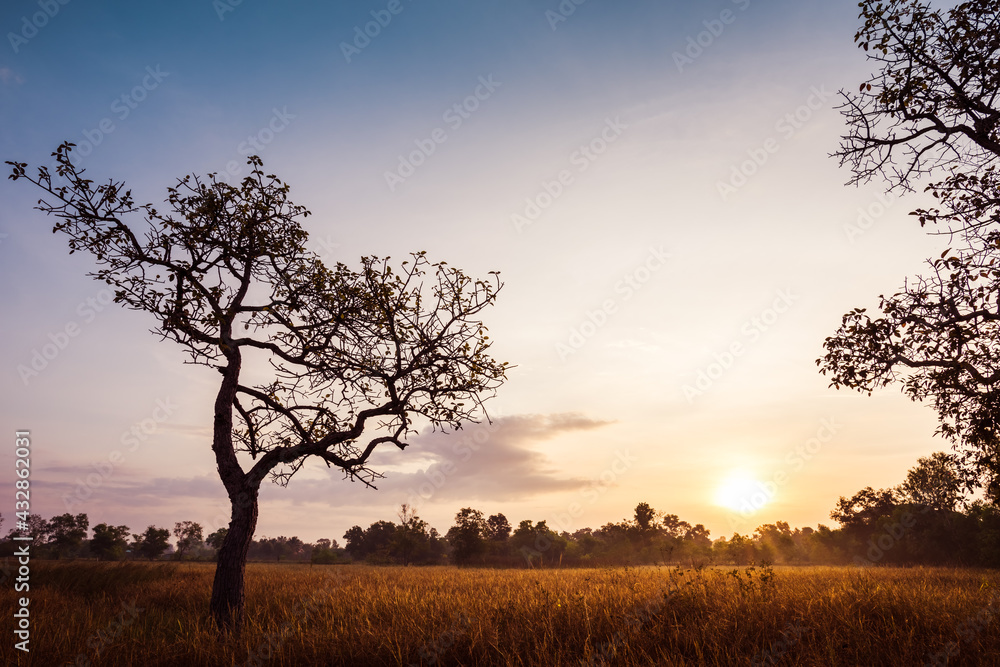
x,y
37,530
152,543
865,507
358,357
467,536
410,540
354,540
537,541
109,542
323,553
189,535
778,538
216,539
698,535
934,482
378,539
67,533
497,528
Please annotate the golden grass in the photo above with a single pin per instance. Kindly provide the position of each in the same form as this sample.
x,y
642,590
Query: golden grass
x,y
87,613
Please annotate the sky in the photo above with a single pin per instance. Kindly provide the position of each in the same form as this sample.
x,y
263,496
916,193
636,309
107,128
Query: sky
x,y
652,179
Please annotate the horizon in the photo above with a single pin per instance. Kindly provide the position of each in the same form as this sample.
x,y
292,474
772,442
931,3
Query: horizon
x,y
652,183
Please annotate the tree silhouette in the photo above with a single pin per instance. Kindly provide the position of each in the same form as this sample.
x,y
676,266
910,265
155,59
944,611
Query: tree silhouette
x,y
109,542
188,534
151,543
931,112
358,359
934,482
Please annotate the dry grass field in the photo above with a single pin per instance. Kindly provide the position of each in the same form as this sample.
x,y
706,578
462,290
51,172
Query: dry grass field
x,y
88,613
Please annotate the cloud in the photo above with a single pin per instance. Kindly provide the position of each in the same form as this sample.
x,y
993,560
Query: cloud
x,y
483,462
7,76
490,461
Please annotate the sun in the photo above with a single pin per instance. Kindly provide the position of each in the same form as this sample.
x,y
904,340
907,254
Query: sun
x,y
740,491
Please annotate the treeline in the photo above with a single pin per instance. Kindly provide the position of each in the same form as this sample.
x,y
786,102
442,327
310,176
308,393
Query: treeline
x,y
66,536
925,520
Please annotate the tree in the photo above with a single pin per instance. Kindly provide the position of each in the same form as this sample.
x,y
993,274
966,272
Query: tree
x,y
934,482
467,535
109,542
497,528
151,543
359,358
216,539
67,533
865,507
410,539
37,529
189,535
931,114
354,540
932,104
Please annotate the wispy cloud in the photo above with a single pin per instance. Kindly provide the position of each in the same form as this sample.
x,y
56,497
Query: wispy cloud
x,y
8,76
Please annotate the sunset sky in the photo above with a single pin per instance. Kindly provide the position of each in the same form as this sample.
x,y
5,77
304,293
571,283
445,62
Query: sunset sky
x,y
652,179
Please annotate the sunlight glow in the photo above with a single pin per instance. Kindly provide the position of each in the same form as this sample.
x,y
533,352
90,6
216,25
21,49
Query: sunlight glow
x,y
741,491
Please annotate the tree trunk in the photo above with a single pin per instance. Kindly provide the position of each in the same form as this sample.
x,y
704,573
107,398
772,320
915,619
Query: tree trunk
x,y
227,605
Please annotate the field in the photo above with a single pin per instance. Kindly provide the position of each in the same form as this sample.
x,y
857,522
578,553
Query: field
x,y
88,613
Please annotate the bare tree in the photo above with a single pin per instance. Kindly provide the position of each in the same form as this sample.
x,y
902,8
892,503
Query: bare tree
x,y
339,361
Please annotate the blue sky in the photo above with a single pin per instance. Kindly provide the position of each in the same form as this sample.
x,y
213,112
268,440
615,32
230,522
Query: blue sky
x,y
675,242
